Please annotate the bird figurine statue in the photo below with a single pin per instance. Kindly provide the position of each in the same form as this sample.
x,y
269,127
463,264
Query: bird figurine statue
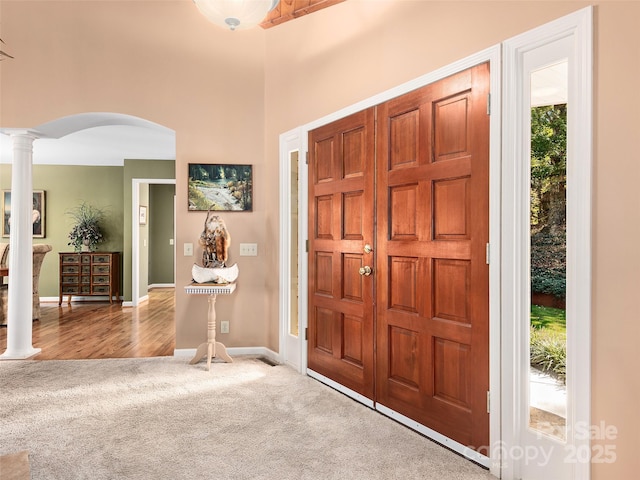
x,y
215,241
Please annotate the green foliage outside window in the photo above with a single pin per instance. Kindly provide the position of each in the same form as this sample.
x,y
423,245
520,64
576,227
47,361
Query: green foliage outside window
x,y
548,199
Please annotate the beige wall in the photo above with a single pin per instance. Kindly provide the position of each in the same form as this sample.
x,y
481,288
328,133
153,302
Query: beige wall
x,y
356,49
162,61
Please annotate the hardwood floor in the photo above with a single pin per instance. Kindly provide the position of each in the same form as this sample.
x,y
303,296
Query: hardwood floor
x,y
85,330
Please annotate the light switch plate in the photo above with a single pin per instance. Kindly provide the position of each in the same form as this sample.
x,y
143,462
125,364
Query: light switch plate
x,y
248,249
188,249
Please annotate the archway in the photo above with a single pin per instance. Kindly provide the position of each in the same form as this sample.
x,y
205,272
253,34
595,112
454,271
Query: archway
x,y
89,139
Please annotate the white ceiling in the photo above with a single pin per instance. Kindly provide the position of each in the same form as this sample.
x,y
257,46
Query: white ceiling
x,y
104,139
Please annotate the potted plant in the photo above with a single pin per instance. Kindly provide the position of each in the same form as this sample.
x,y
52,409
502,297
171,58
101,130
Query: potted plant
x,y
86,234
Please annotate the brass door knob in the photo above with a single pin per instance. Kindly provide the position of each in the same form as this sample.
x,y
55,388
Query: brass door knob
x,y
366,270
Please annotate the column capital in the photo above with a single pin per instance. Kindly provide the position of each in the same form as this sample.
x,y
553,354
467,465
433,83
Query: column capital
x,y
26,133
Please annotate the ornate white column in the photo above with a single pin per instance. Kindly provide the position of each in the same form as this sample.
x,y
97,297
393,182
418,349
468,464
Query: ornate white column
x,y
20,306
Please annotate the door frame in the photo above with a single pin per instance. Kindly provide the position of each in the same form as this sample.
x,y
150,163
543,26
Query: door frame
x,y
135,235
297,139
516,238
291,347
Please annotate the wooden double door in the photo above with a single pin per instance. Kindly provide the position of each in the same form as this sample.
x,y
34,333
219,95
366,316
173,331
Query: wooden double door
x,y
398,276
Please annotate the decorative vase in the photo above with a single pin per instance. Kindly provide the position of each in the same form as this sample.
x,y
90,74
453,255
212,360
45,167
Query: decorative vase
x,y
86,245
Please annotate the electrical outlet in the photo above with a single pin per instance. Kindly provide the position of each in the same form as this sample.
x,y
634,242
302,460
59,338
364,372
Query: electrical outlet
x,y
248,249
188,249
224,326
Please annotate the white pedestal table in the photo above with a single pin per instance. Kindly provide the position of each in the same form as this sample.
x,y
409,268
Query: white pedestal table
x,y
211,348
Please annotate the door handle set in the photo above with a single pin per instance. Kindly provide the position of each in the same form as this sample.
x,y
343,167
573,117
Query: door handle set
x,y
366,270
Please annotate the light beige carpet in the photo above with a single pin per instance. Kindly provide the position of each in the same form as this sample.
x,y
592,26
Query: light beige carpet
x,y
161,418
15,466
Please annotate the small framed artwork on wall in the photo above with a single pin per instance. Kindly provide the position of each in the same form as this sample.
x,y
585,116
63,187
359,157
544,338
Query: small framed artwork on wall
x,y
222,187
142,215
37,213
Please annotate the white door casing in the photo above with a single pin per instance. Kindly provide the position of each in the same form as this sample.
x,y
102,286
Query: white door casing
x,y
291,346
526,455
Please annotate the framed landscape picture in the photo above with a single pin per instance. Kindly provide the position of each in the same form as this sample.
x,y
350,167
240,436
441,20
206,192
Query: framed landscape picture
x,y
37,214
220,187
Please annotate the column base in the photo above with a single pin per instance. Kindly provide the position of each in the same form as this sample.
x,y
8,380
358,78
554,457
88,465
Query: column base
x,y
20,355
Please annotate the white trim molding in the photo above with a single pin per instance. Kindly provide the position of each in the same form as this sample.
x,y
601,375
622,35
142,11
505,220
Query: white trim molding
x,y
290,346
235,352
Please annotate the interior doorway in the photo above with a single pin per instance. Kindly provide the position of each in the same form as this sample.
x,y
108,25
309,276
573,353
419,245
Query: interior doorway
x,y
139,238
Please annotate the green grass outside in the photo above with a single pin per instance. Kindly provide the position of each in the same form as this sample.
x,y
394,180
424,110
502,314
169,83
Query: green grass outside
x,y
550,318
548,340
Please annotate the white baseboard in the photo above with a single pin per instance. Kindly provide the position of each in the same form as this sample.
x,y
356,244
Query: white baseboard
x,y
76,298
95,298
50,299
234,352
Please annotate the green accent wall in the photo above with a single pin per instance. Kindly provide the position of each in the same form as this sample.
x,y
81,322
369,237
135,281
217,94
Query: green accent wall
x,y
161,221
107,187
65,187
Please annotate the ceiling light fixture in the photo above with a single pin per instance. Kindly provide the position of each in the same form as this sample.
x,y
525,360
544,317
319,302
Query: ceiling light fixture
x,y
236,14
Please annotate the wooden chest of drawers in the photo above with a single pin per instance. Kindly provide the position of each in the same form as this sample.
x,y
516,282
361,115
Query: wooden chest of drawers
x,y
90,273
